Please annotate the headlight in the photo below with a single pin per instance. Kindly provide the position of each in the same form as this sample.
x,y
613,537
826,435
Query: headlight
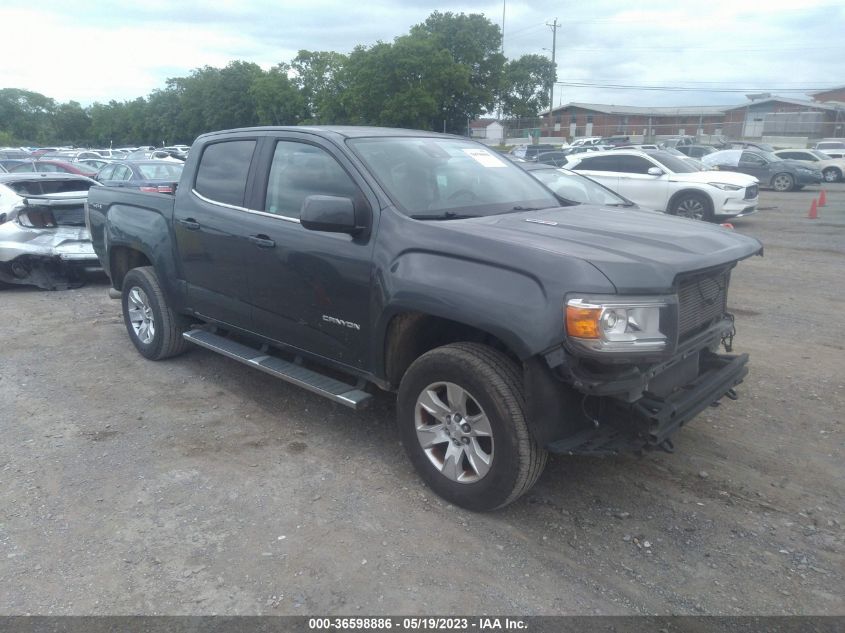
x,y
724,186
632,325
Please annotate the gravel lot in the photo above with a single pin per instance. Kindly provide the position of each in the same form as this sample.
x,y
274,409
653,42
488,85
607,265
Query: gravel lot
x,y
197,486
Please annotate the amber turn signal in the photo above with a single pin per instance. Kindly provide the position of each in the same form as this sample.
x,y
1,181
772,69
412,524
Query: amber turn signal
x,y
582,322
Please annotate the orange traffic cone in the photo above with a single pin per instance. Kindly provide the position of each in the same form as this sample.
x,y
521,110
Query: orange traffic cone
x,y
727,225
822,198
814,211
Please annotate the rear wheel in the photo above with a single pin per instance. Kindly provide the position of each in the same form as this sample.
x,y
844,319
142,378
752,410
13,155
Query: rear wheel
x,y
695,206
461,415
154,328
831,174
783,182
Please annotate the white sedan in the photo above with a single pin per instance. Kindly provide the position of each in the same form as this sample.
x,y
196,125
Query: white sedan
x,y
832,169
664,182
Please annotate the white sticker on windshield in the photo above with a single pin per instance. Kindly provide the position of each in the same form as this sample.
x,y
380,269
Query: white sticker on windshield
x,y
484,157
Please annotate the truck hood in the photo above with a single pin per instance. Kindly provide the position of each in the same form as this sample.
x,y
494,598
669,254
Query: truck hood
x,y
638,251
728,177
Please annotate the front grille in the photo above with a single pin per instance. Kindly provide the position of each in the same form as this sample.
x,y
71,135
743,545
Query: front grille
x,y
751,192
702,300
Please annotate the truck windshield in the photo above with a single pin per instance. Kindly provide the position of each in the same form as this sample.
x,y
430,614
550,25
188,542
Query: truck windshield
x,y
441,178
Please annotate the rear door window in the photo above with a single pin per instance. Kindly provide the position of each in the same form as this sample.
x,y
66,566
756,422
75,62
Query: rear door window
x,y
223,169
122,172
634,165
106,172
598,163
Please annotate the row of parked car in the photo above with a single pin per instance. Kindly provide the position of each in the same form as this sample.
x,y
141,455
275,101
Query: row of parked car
x,y
43,237
688,179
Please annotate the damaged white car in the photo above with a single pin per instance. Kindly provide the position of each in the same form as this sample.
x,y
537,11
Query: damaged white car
x,y
43,238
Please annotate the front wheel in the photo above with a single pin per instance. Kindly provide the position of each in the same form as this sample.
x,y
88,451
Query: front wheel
x,y
831,174
783,182
153,327
692,205
461,415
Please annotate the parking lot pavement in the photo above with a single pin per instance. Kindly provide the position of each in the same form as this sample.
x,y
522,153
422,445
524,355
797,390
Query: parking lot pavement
x,y
197,486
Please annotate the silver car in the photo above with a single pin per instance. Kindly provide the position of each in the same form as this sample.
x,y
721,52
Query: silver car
x,y
43,238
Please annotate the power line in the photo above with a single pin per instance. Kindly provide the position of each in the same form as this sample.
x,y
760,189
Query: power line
x,y
602,80
675,49
687,88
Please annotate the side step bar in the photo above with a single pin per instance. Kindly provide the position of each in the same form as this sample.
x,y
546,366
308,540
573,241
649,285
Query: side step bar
x,y
326,386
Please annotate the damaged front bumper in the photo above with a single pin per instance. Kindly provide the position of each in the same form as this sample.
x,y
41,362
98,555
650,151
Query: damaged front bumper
x,y
50,258
649,422
577,411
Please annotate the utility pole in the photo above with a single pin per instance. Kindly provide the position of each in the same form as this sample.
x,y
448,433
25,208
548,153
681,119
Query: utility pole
x,y
504,5
554,26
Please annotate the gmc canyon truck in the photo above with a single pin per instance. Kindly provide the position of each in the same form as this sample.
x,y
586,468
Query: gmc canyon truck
x,y
510,322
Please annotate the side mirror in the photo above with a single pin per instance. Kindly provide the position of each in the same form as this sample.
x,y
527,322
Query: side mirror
x,y
331,214
655,171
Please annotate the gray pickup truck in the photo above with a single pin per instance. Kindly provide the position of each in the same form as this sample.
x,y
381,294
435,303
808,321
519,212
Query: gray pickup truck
x,y
510,322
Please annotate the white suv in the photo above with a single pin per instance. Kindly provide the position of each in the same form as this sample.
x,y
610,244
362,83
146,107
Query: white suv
x,y
664,182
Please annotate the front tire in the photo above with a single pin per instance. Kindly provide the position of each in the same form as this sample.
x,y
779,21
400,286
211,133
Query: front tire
x,y
831,174
694,206
783,182
153,327
461,415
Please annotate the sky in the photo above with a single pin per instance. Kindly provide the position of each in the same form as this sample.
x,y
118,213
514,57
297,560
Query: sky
x,y
89,50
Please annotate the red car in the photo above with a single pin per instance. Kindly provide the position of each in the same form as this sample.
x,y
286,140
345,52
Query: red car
x,y
52,166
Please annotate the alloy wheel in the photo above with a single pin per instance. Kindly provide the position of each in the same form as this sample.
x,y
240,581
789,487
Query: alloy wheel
x,y
782,182
691,208
141,315
454,432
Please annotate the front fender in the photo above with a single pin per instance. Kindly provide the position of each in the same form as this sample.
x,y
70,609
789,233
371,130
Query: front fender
x,y
511,305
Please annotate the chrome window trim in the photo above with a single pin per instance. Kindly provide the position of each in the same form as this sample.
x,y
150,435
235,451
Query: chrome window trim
x,y
246,210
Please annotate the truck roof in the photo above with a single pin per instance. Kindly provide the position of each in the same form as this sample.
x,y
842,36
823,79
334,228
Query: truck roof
x,y
345,131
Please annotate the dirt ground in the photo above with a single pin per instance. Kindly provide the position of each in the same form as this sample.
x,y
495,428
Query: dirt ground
x,y
197,486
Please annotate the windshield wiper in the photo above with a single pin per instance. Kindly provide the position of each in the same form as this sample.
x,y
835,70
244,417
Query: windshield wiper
x,y
446,215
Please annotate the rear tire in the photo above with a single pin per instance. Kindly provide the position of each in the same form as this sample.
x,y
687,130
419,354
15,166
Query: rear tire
x,y
461,415
783,182
153,327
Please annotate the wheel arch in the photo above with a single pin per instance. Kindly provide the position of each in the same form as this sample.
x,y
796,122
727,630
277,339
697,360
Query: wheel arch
x,y
837,169
687,191
122,259
410,334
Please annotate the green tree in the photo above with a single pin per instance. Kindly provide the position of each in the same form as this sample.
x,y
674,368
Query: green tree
x,y
27,116
474,42
107,123
163,108
320,79
410,83
277,99
526,85
72,124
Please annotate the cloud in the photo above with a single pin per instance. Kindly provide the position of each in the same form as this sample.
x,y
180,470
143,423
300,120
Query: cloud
x,y
88,51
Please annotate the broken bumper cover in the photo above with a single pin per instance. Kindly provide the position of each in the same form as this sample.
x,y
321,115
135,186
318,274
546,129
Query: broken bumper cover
x,y
650,421
44,257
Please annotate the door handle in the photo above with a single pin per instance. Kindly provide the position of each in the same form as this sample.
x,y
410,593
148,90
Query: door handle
x,y
262,241
189,223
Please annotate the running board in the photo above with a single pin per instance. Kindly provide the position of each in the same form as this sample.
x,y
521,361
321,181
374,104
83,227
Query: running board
x,y
320,384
